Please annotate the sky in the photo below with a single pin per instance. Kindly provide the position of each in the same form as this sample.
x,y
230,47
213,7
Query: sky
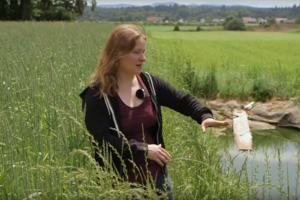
x,y
257,3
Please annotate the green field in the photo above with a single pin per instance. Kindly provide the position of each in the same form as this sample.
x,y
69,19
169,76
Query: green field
x,y
241,60
45,148
185,28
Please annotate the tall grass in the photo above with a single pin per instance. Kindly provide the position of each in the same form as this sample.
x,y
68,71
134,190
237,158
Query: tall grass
x,y
46,152
248,66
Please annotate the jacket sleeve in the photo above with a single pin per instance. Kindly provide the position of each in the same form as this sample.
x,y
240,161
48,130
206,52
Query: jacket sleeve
x,y
98,121
180,101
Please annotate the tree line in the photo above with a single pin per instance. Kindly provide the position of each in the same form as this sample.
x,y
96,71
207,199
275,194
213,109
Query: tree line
x,y
41,10
78,9
176,12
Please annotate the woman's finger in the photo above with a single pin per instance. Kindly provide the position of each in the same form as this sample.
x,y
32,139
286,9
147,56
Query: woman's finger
x,y
165,151
220,123
164,157
159,162
203,128
215,123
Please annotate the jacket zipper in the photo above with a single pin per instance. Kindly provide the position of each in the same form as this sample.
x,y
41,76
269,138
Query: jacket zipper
x,y
156,108
157,111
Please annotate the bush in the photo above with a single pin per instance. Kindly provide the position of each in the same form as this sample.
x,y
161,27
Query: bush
x,y
227,20
236,25
199,28
298,20
271,21
176,28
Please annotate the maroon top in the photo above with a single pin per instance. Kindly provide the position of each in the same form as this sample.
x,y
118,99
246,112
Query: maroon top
x,y
132,119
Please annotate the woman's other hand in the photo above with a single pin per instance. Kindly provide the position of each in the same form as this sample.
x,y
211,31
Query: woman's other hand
x,y
210,122
158,154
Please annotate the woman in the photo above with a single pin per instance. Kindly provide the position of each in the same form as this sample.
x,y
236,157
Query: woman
x,y
123,97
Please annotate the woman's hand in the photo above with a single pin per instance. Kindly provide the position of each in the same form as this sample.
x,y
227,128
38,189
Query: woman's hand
x,y
210,122
158,154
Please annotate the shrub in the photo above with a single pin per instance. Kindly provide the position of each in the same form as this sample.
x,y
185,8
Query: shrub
x,y
236,25
227,20
199,28
298,20
271,21
176,28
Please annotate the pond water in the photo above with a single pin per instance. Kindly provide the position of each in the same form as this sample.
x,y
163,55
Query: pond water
x,y
277,150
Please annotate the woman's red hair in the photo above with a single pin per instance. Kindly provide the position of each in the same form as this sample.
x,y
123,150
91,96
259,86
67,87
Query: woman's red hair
x,y
118,45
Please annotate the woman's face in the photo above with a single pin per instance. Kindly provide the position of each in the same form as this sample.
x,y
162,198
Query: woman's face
x,y
132,63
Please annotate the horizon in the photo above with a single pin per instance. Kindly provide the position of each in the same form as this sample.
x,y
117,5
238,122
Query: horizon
x,y
253,3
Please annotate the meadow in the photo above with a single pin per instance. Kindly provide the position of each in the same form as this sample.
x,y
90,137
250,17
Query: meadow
x,y
46,152
245,65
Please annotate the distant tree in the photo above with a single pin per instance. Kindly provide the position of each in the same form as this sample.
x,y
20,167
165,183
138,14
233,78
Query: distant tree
x,y
176,28
223,9
14,8
198,28
43,9
121,19
25,10
271,21
4,10
227,20
208,20
294,10
239,15
94,5
298,20
129,18
176,12
167,18
236,24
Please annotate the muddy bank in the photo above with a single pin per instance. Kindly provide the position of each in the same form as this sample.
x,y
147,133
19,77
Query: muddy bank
x,y
276,28
261,116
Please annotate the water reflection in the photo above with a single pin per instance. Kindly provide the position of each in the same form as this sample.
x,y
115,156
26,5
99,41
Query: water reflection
x,y
269,147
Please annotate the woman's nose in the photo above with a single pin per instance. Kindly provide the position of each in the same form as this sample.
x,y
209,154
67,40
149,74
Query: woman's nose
x,y
143,58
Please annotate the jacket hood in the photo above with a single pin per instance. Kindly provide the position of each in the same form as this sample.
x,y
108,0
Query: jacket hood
x,y
83,93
